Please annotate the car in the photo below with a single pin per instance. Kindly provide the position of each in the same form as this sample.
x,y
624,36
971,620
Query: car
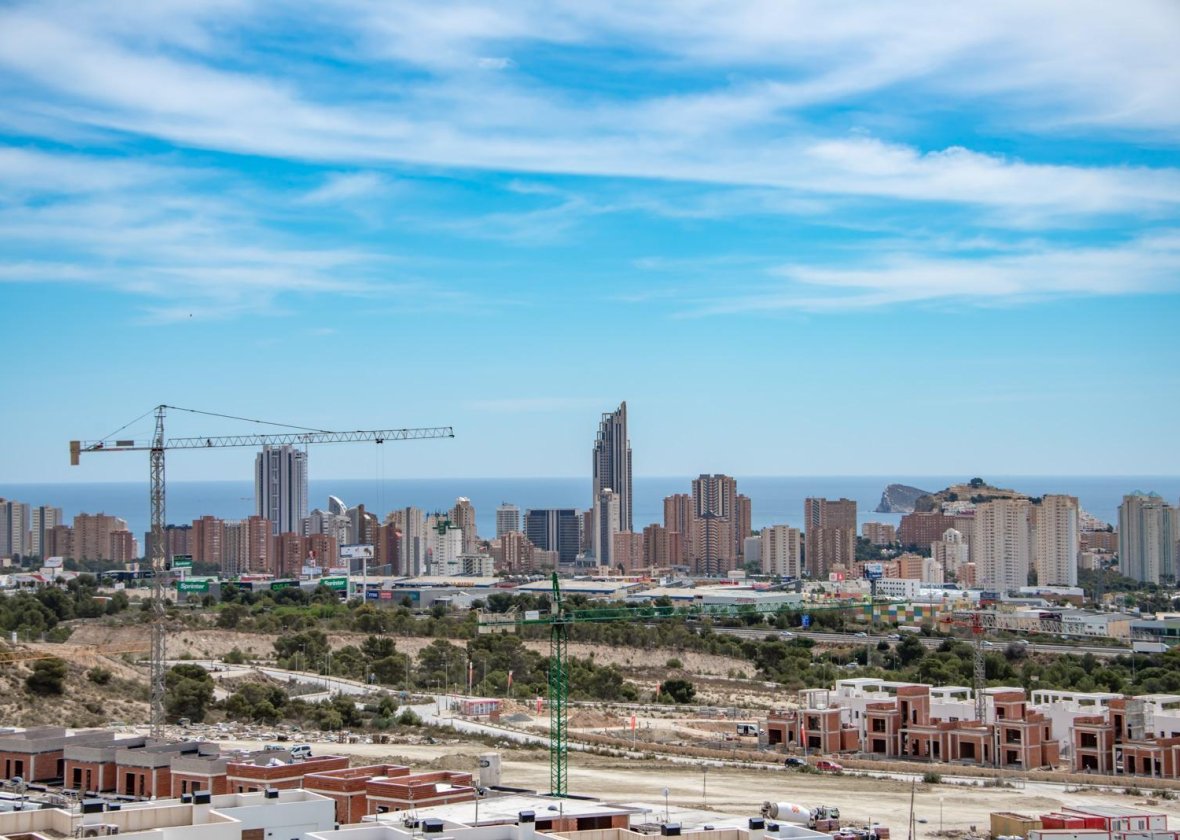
x,y
301,752
862,635
829,766
895,637
786,634
795,761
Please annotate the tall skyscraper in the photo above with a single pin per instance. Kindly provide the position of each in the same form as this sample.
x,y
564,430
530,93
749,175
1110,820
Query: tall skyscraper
x,y
207,541
507,519
829,535
612,461
1058,541
554,529
280,487
45,519
1149,529
1001,544
412,544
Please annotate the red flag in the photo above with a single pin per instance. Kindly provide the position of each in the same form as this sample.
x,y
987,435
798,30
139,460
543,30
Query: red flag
x,y
632,723
510,679
539,702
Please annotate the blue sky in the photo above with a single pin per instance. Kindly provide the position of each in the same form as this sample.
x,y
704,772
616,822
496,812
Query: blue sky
x,y
798,238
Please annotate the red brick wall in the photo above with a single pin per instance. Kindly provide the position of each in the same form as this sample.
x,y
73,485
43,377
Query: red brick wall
x,y
32,767
183,783
96,776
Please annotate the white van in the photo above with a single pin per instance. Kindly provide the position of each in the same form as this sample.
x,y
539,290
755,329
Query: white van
x,y
301,751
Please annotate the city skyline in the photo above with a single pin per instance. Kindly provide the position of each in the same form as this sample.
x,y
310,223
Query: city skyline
x,y
796,238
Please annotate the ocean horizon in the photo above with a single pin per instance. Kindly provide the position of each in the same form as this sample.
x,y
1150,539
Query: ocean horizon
x,y
775,500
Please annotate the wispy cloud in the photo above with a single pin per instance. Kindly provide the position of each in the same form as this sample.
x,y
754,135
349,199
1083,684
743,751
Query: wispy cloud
x,y
413,99
1150,265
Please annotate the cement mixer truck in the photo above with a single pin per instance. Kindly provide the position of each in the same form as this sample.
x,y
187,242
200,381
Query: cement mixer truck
x,y
821,818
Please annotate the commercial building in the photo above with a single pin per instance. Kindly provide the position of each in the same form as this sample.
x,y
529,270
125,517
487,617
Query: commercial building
x,y
280,487
1149,529
611,463
830,535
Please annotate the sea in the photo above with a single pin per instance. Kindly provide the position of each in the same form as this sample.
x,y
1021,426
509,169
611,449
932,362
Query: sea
x,y
775,500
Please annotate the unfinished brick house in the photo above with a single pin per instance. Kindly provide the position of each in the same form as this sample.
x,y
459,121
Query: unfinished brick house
x,y
388,788
1124,739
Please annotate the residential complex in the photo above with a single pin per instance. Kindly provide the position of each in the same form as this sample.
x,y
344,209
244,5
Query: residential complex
x,y
830,528
280,487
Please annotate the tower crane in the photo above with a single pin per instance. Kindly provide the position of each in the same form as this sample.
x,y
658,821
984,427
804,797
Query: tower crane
x,y
974,622
559,620
156,448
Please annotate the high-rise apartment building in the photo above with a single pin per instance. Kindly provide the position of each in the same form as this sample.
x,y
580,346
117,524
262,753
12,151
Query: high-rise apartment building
x,y
246,546
1001,544
782,551
829,535
554,529
176,541
280,487
207,541
412,543
14,529
678,520
59,541
716,514
463,515
1057,542
1149,529
607,516
627,554
507,519
952,551
45,519
513,553
92,536
446,544
612,462
661,547
879,533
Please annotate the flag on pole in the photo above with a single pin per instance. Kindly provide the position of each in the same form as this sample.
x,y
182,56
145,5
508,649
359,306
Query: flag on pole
x,y
509,680
470,674
632,723
539,702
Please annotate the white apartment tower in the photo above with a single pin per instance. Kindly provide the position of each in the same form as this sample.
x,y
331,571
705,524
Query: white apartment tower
x,y
1058,541
507,519
782,551
1149,529
1002,543
45,519
607,522
280,488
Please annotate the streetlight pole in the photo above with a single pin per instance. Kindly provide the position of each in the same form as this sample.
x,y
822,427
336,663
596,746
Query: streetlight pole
x,y
704,785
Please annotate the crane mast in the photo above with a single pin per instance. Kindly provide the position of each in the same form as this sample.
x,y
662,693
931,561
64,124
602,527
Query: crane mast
x,y
156,447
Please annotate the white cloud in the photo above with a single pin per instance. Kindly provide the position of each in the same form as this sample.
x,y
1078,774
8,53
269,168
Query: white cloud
x,y
1147,265
343,187
1048,63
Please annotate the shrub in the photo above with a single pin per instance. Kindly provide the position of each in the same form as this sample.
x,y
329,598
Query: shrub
x,y
48,677
674,663
99,675
931,778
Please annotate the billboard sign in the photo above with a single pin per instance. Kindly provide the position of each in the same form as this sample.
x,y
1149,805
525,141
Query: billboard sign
x,y
182,561
874,571
337,583
54,562
356,552
200,586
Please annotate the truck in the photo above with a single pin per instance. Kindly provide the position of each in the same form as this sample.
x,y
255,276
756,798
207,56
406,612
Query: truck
x,y
821,818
